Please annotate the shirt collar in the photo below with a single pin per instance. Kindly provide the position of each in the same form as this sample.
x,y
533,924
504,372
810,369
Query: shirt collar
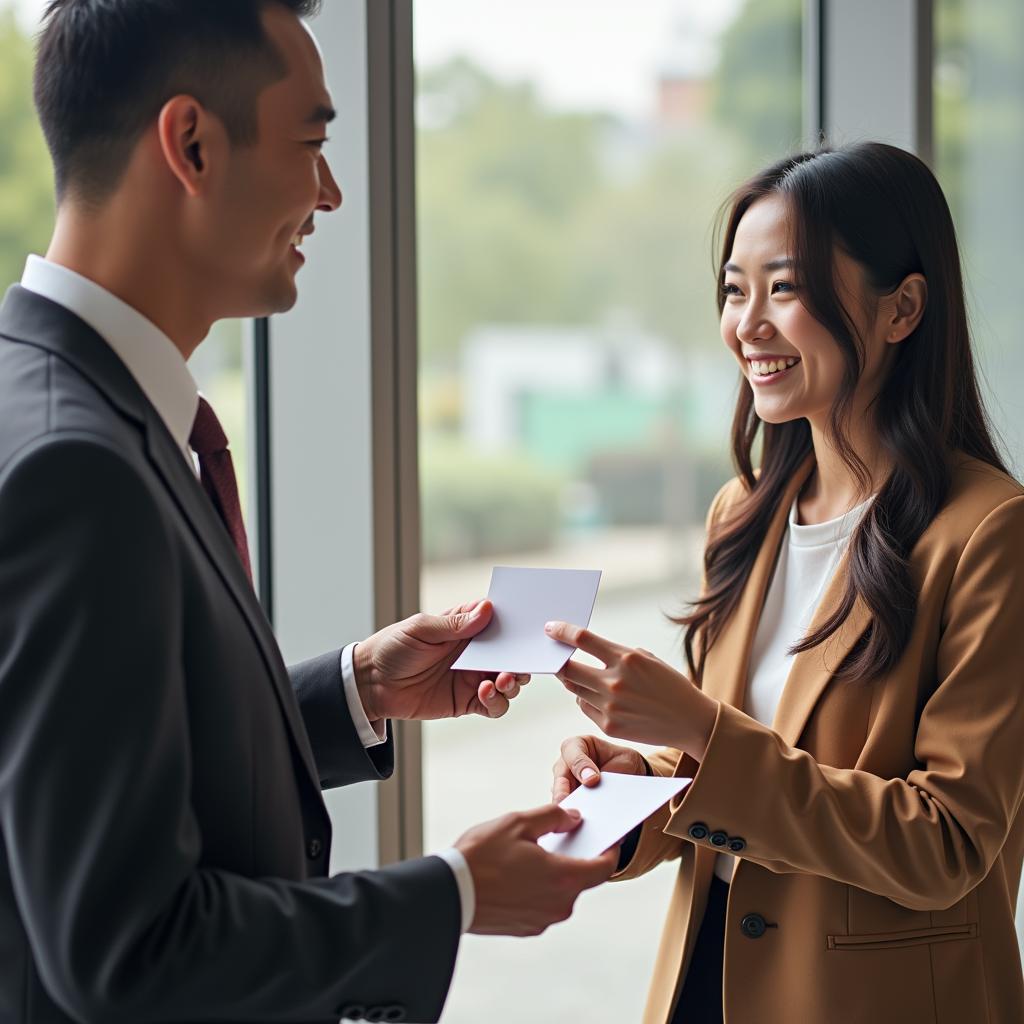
x,y
150,356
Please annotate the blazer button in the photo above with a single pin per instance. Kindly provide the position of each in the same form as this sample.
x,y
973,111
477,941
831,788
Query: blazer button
x,y
394,1013
719,839
354,1012
314,848
698,830
737,845
753,926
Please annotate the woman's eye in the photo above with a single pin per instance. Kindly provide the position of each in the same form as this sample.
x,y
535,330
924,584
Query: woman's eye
x,y
730,289
782,286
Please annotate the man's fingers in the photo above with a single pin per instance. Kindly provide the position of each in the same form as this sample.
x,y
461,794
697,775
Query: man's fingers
x,y
509,684
492,703
463,608
541,820
590,873
454,625
584,639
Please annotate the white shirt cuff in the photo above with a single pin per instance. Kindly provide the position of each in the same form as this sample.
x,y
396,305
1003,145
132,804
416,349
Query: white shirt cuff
x,y
372,734
464,880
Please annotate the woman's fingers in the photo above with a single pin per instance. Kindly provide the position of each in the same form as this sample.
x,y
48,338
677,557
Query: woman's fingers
x,y
563,784
574,766
578,756
581,692
585,640
594,714
585,676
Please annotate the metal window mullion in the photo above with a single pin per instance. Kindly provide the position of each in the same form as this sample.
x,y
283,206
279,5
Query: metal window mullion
x,y
394,381
874,71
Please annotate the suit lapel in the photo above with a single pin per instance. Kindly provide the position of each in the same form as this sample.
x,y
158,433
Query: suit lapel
x,y
208,527
38,321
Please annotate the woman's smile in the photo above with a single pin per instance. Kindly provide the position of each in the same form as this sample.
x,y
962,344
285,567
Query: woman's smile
x,y
769,369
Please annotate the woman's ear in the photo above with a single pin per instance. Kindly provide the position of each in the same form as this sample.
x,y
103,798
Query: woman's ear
x,y
185,132
904,308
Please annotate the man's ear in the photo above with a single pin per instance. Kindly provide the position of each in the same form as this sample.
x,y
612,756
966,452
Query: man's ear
x,y
905,307
187,134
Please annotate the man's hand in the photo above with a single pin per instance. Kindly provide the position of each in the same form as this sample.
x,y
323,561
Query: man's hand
x,y
405,670
521,889
582,760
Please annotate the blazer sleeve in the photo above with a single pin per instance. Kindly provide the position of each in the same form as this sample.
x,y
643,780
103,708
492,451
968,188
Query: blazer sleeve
x,y
103,846
654,845
923,841
340,756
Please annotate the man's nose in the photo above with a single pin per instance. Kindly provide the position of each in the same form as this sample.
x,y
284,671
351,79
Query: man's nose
x,y
330,193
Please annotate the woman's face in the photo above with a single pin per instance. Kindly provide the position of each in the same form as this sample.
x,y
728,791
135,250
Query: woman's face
x,y
792,362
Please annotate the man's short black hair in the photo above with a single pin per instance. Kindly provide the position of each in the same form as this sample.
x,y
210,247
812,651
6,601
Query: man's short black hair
x,y
105,68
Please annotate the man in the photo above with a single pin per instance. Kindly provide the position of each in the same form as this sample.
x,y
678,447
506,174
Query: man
x,y
165,844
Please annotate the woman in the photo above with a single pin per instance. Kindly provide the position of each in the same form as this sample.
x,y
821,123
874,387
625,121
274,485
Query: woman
x,y
852,717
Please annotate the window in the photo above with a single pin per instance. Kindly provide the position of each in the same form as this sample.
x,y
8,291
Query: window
x,y
26,180
979,149
575,396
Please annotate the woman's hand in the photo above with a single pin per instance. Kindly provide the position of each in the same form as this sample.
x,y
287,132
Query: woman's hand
x,y
636,696
582,760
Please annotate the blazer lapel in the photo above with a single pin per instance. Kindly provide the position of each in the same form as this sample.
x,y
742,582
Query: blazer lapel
x,y
38,321
812,670
727,668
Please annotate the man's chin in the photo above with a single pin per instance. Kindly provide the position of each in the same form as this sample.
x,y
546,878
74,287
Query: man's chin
x,y
280,299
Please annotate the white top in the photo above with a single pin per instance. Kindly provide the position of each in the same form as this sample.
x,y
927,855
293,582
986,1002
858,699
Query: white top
x,y
808,558
161,372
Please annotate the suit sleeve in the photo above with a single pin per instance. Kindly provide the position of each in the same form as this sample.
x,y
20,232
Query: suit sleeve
x,y
340,756
124,922
923,841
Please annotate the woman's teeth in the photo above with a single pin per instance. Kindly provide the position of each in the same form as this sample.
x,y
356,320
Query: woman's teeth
x,y
297,241
763,368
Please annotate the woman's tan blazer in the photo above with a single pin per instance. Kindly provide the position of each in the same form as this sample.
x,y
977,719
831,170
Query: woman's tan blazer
x,y
880,823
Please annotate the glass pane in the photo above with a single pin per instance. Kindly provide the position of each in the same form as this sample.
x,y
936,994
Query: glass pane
x,y
26,180
575,394
27,211
979,148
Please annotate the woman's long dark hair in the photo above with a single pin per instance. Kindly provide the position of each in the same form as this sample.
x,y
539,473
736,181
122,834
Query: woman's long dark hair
x,y
884,208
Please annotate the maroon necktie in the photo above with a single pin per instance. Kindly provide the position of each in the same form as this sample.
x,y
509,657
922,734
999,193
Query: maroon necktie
x,y
217,475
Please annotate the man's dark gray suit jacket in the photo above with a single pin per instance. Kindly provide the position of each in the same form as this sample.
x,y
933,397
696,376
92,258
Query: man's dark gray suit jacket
x,y
165,843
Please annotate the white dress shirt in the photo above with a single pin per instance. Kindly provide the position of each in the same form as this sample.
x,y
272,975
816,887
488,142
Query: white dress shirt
x,y
161,372
808,559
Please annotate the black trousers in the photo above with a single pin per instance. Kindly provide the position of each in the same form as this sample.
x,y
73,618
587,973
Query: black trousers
x,y
701,998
